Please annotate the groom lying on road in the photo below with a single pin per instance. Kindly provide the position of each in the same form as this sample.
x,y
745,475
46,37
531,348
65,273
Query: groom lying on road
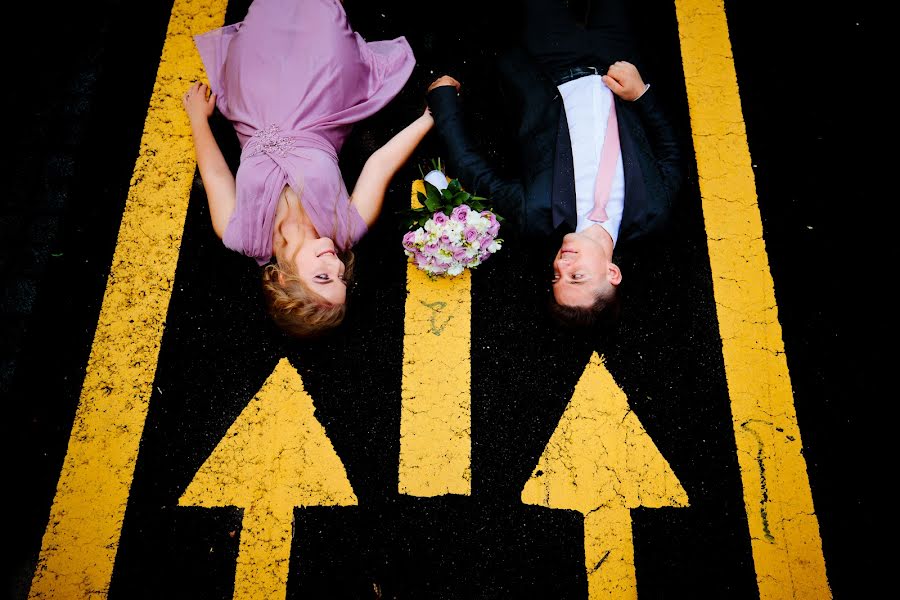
x,y
600,165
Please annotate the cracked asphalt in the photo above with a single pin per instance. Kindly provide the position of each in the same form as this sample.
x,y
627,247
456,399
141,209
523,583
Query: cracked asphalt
x,y
80,92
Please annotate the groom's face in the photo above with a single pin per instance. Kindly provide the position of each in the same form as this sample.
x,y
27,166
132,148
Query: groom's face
x,y
580,271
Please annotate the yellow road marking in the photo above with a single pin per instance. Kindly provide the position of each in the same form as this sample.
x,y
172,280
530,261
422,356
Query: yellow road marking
x,y
601,462
82,537
274,457
435,417
787,548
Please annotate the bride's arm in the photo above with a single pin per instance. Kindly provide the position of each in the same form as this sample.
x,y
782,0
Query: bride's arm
x,y
368,195
217,178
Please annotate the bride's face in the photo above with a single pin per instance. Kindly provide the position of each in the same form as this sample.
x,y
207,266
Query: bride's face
x,y
319,267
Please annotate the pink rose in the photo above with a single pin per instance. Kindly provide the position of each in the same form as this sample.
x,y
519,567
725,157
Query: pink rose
x,y
460,213
470,234
491,216
440,218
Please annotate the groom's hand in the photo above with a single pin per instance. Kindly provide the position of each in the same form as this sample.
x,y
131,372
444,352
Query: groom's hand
x,y
625,81
442,81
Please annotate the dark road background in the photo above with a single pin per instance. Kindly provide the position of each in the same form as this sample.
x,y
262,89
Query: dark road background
x,y
79,91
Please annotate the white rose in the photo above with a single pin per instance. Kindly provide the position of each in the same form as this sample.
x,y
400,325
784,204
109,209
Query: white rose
x,y
494,247
430,225
455,269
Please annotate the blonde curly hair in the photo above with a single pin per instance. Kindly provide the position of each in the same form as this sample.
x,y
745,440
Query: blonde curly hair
x,y
295,308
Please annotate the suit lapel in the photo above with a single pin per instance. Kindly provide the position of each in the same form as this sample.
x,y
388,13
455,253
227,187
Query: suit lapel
x,y
562,196
635,189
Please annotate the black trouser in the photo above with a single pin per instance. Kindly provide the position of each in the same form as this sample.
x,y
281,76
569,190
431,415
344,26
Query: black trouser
x,y
558,42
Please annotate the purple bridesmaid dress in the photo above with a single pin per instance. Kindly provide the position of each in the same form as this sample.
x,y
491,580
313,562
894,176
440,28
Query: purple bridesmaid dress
x,y
293,78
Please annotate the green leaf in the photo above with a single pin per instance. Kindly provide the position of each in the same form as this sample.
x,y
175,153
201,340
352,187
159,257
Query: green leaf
x,y
421,197
432,192
423,220
432,204
459,198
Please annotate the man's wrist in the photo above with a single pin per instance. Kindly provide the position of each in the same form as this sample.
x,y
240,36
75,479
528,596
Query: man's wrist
x,y
646,87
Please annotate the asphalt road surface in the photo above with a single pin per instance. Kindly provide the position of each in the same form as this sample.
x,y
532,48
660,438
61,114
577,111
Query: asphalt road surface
x,y
81,85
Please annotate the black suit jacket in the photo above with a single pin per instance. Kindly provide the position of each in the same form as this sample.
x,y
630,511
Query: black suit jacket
x,y
650,153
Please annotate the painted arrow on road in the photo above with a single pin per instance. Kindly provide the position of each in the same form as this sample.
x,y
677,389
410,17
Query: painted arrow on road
x,y
601,462
275,457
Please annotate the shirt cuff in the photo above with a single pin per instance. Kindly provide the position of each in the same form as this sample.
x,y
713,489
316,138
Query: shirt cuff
x,y
646,87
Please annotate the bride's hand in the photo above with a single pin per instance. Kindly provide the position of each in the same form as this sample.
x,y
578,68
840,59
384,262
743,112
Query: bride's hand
x,y
196,104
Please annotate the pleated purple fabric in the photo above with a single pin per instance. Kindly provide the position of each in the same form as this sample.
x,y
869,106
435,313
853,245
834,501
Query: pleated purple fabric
x,y
293,78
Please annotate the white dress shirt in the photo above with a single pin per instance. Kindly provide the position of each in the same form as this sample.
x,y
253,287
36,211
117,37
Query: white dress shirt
x,y
587,101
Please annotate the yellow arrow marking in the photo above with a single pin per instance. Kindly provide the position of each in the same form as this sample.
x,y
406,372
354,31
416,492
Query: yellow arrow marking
x,y
435,416
601,462
784,531
82,536
274,457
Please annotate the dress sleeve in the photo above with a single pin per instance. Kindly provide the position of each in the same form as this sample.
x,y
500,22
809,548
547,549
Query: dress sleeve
x,y
213,48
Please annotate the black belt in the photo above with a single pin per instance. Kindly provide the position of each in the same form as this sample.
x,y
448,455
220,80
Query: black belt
x,y
563,75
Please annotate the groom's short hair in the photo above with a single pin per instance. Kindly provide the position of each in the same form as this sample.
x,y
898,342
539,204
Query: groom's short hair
x,y
604,311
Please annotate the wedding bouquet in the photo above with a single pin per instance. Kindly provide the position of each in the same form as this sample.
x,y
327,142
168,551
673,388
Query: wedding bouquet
x,y
452,230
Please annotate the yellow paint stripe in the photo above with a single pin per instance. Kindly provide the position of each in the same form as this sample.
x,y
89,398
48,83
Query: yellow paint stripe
x,y
787,548
82,537
435,415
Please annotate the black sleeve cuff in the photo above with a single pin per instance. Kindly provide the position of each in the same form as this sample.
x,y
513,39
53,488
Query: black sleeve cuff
x,y
647,101
442,99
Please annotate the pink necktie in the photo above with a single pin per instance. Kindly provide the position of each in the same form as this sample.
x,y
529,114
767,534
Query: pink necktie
x,y
609,156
